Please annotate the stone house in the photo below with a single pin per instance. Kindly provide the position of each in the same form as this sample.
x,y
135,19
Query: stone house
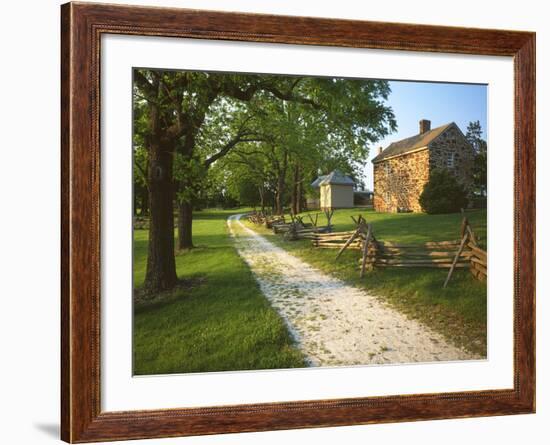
x,y
402,169
335,191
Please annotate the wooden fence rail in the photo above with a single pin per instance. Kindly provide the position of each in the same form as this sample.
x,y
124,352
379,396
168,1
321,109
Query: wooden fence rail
x,y
296,229
478,261
455,254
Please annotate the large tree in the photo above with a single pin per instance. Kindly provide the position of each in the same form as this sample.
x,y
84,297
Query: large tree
x,y
176,106
194,119
299,141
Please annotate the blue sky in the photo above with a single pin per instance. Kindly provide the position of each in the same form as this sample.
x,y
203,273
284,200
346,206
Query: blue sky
x,y
440,103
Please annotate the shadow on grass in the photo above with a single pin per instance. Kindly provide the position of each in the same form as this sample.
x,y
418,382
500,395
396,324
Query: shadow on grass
x,y
223,323
458,311
146,301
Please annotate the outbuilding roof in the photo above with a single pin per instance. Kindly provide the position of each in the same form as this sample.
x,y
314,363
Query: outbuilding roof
x,y
336,177
317,182
411,143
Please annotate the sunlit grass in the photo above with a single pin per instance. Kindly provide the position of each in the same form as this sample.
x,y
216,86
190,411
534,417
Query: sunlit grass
x,y
459,311
218,321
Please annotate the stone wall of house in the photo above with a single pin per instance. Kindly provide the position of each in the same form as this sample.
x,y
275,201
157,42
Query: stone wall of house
x,y
399,181
452,151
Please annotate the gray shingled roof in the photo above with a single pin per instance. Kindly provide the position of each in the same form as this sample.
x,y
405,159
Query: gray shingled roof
x,y
412,143
317,182
334,178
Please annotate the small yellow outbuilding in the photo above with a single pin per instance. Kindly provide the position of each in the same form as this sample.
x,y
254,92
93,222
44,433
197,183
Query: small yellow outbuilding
x,y
335,191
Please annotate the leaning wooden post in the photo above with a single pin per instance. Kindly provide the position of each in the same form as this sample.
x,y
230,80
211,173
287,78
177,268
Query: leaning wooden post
x,y
348,242
366,251
472,235
466,228
328,214
463,226
358,220
455,260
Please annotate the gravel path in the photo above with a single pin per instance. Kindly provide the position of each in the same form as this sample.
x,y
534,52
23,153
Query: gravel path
x,y
335,323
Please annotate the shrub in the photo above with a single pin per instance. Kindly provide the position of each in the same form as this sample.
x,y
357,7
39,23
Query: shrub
x,y
443,193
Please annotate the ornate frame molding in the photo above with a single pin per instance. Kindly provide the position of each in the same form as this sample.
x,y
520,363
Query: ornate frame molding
x,y
82,25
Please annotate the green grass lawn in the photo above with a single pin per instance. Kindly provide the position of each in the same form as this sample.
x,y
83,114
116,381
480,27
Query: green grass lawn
x,y
459,311
218,320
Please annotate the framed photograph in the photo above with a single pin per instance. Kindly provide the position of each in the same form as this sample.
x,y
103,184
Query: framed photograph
x,y
275,222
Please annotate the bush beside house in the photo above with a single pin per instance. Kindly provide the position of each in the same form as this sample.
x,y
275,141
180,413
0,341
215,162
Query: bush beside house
x,y
443,193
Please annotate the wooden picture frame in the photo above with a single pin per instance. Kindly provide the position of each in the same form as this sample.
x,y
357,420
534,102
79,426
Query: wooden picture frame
x,y
82,26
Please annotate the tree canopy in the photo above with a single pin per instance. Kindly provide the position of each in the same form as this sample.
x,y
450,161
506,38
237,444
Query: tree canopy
x,y
253,139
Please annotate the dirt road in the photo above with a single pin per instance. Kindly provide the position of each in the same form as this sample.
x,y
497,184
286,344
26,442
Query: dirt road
x,y
333,322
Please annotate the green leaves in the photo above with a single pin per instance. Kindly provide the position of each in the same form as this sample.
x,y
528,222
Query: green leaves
x,y
265,124
190,175
443,193
473,135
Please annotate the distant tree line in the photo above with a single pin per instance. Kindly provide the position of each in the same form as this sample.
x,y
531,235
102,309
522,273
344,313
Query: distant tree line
x,y
444,194
474,134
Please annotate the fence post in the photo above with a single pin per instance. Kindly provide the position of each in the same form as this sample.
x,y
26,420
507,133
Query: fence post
x,y
455,260
366,250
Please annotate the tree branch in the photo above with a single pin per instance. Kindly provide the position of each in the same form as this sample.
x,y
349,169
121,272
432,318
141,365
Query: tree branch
x,y
227,147
290,96
142,171
143,82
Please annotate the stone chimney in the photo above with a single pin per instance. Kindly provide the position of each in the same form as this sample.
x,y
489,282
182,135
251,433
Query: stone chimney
x,y
424,126
380,150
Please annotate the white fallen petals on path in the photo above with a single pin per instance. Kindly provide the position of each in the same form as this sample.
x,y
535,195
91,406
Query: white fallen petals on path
x,y
332,322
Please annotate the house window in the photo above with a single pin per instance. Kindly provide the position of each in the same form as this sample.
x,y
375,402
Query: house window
x,y
387,168
451,160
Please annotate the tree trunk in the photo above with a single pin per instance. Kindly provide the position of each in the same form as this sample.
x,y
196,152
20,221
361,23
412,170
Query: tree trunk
x,y
299,193
135,204
144,211
161,263
280,192
279,203
262,198
294,194
185,225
